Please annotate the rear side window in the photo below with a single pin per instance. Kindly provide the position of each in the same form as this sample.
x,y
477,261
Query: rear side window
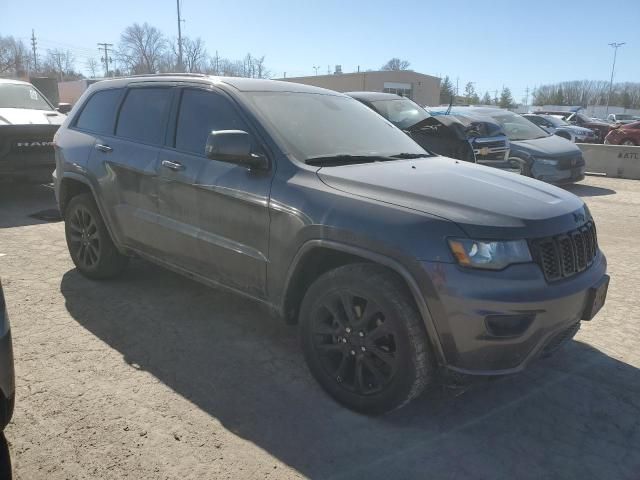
x,y
143,114
99,112
200,113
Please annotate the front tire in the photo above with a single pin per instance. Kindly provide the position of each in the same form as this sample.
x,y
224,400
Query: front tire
x,y
89,242
364,340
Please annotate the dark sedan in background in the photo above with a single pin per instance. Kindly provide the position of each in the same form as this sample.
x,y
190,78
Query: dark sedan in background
x,y
478,140
534,152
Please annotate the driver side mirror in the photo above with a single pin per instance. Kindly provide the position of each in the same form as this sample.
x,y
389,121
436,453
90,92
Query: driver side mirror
x,y
234,146
64,107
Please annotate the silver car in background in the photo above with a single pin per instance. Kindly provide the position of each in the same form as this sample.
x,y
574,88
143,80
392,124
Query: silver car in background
x,y
562,128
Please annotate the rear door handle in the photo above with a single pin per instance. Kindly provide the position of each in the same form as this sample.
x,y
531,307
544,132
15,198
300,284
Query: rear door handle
x,y
104,148
175,166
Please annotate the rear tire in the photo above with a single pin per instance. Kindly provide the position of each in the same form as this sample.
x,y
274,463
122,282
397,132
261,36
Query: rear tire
x,y
89,242
364,340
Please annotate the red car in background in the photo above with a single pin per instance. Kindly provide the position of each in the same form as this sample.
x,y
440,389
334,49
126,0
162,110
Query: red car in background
x,y
628,134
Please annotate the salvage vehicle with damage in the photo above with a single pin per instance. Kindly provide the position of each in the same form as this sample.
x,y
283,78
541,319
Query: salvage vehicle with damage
x,y
478,140
533,151
28,122
395,262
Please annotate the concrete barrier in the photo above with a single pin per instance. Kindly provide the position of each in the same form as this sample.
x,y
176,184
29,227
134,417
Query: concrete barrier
x,y
613,160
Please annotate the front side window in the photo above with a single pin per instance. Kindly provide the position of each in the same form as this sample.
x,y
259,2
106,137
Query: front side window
x,y
403,113
22,96
202,112
311,125
517,127
143,114
98,114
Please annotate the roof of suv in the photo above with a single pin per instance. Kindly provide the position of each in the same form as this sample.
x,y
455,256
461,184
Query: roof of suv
x,y
239,83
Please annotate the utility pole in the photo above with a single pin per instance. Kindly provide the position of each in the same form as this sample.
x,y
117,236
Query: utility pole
x,y
33,47
457,79
316,69
106,59
179,37
526,97
613,67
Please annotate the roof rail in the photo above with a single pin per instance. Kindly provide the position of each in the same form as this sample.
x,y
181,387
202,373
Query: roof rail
x,y
199,75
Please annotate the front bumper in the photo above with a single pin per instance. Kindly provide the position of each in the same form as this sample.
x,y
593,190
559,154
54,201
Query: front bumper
x,y
463,302
553,174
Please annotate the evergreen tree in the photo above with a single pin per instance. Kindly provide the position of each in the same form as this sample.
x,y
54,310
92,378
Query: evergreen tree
x,y
446,90
486,99
506,100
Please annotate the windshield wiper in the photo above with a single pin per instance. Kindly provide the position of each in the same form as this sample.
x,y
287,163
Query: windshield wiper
x,y
411,155
343,159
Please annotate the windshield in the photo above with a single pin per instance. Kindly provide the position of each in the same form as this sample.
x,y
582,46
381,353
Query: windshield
x,y
311,125
22,96
517,127
620,116
402,112
556,121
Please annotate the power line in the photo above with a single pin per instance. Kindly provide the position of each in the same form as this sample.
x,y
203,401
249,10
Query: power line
x,y
106,59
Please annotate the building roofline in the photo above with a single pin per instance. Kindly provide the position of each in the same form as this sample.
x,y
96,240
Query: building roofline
x,y
333,75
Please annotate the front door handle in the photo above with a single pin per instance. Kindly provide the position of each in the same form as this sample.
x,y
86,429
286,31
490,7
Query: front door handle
x,y
104,148
175,166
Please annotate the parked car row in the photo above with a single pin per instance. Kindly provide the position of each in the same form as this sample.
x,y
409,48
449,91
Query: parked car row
x,y
397,263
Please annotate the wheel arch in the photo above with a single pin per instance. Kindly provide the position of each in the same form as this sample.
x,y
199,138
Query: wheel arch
x,y
317,257
73,184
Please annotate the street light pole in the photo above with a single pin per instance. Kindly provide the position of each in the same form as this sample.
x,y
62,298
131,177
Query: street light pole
x,y
613,67
316,69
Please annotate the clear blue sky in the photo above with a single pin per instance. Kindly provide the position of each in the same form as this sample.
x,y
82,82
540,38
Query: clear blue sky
x,y
493,43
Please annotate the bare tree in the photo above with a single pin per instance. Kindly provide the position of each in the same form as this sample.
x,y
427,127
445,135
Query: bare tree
x,y
396,64
194,54
14,56
141,48
60,63
92,65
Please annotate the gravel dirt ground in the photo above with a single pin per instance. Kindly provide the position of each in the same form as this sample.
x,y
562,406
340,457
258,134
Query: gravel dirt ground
x,y
154,376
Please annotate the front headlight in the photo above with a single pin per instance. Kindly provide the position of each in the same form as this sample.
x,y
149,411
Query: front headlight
x,y
547,161
488,254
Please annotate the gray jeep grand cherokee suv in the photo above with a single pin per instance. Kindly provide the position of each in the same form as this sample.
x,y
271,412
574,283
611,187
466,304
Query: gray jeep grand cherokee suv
x,y
396,263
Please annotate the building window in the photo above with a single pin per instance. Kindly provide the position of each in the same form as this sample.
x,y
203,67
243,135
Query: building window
x,y
402,89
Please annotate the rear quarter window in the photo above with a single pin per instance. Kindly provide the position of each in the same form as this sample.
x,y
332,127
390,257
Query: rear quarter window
x,y
98,114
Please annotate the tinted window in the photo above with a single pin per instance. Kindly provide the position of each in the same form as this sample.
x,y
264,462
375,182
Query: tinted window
x,y
99,112
200,113
143,114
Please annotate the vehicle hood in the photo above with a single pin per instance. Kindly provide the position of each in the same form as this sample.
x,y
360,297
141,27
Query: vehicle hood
x,y
549,147
25,116
485,202
576,130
